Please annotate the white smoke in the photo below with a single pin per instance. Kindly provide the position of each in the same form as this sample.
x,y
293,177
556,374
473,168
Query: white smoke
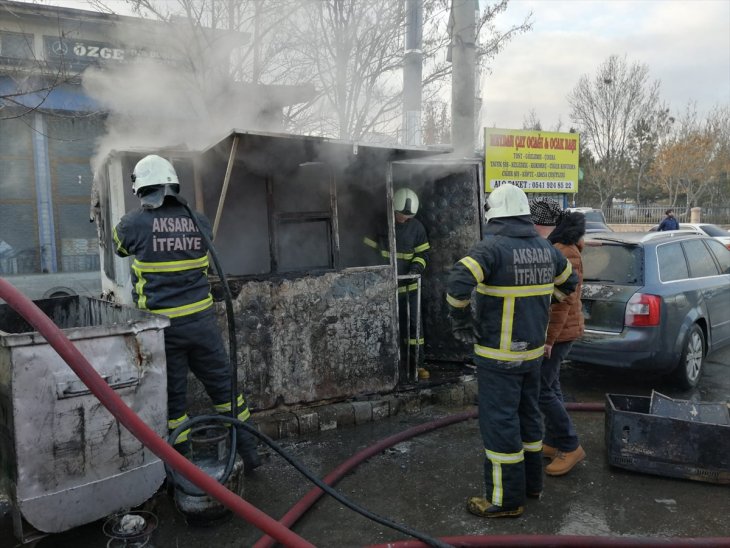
x,y
176,92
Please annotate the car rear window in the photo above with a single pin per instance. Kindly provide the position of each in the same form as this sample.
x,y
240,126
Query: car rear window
x,y
595,216
613,263
714,231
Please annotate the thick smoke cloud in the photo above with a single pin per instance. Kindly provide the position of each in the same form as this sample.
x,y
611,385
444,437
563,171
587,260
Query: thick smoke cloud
x,y
175,92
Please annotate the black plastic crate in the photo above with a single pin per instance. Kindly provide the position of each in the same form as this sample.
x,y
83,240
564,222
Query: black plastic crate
x,y
640,441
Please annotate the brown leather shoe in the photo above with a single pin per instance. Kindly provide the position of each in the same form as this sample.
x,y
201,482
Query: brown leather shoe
x,y
548,451
564,462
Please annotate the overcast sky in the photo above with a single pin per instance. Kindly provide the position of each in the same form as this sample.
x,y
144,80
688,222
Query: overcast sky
x,y
685,44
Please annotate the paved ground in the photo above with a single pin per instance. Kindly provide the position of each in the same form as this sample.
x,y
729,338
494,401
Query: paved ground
x,y
424,483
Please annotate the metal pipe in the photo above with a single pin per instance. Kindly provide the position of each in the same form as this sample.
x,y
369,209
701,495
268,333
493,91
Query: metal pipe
x,y
463,75
226,181
198,188
412,73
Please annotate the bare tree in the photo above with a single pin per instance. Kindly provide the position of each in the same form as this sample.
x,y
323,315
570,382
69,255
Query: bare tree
x,y
606,109
647,135
532,121
351,51
436,123
696,157
354,48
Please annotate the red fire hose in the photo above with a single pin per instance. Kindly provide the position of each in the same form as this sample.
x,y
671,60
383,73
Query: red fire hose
x,y
84,370
308,500
553,541
278,530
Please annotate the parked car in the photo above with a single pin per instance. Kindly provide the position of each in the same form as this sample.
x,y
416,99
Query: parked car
x,y
654,301
595,220
715,231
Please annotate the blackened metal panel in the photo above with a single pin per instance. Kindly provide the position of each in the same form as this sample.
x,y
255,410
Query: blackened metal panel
x,y
315,337
451,205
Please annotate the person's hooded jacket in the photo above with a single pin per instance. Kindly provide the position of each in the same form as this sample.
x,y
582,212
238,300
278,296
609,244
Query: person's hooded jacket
x,y
566,317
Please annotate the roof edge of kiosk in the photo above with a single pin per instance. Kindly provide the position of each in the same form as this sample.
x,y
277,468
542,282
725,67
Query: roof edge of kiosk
x,y
425,150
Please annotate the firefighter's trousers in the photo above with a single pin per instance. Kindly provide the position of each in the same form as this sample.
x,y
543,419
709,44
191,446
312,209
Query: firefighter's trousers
x,y
511,427
194,343
410,325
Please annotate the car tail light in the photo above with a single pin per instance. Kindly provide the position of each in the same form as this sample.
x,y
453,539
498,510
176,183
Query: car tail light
x,y
643,310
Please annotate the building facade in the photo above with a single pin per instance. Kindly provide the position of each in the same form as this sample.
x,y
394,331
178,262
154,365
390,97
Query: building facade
x,y
49,130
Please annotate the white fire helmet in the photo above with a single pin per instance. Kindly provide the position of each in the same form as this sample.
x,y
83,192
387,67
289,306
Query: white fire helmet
x,y
405,201
507,201
154,171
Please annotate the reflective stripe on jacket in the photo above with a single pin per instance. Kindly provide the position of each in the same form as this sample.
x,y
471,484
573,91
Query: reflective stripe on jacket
x,y
411,243
516,273
170,266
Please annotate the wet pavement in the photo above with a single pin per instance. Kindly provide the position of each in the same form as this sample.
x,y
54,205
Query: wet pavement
x,y
424,482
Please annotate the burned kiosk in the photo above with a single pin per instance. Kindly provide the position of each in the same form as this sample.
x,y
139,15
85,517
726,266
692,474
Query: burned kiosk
x,y
316,309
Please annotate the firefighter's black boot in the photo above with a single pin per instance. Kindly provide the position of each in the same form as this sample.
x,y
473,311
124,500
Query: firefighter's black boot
x,y
246,444
482,507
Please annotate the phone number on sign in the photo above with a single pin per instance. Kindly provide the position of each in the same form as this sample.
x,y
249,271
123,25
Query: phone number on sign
x,y
534,185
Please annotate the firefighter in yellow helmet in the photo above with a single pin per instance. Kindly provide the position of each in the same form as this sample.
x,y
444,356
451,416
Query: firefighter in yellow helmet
x,y
515,273
411,242
170,277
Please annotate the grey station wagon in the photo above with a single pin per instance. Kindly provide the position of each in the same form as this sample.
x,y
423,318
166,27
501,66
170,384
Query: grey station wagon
x,y
654,301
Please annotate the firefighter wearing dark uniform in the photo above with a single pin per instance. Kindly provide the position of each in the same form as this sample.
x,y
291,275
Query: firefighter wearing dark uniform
x,y
170,277
411,243
516,273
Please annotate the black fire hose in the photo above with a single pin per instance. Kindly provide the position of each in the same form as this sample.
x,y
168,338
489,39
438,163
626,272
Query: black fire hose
x,y
172,475
234,421
430,541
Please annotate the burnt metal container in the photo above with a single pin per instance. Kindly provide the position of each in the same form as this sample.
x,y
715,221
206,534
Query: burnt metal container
x,y
64,459
638,439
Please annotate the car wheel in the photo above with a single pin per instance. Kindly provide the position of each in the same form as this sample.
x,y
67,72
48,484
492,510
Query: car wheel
x,y
689,370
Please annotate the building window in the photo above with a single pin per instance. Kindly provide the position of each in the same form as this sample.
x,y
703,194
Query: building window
x,y
70,145
15,45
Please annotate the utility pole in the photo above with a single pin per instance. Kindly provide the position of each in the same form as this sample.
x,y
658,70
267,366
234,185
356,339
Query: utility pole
x,y
412,73
463,75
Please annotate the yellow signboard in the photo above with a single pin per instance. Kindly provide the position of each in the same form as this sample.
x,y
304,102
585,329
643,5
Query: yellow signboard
x,y
535,161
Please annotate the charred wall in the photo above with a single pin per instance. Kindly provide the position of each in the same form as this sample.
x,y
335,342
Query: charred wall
x,y
315,337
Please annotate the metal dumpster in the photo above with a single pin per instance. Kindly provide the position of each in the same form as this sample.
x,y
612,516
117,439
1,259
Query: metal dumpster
x,y
64,459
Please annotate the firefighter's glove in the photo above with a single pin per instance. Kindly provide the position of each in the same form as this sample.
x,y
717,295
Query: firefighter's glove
x,y
415,268
462,327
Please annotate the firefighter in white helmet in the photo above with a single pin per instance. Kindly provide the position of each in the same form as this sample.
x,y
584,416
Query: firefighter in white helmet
x,y
169,277
516,273
411,242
